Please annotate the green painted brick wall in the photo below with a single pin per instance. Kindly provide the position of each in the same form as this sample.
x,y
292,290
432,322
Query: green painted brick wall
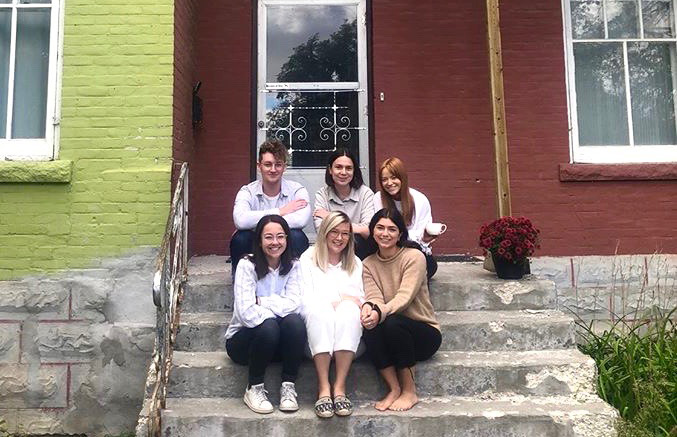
x,y
116,127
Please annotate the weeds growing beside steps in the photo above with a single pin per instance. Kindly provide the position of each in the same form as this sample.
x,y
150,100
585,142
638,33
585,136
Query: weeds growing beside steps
x,y
637,371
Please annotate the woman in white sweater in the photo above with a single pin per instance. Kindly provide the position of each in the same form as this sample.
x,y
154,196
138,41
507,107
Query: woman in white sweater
x,y
412,204
333,296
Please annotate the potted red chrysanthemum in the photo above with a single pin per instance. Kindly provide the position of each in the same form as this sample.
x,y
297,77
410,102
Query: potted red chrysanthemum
x,y
510,241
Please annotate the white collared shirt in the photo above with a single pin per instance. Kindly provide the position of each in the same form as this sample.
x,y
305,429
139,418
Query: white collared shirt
x,y
279,295
251,204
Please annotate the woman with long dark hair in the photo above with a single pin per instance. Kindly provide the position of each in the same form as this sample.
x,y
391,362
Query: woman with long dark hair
x,y
332,298
414,206
265,324
346,192
398,317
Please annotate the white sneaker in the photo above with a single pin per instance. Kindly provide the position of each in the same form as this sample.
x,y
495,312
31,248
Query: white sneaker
x,y
288,397
256,399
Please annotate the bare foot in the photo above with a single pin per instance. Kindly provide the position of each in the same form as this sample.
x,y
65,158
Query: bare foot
x,y
387,401
404,402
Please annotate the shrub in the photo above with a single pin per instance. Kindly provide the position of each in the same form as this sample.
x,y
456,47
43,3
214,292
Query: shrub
x,y
637,366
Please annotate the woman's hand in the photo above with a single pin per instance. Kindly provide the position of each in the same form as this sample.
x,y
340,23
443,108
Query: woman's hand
x,y
320,213
351,299
371,319
427,238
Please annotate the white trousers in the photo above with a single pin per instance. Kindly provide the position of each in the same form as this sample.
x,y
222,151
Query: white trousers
x,y
332,329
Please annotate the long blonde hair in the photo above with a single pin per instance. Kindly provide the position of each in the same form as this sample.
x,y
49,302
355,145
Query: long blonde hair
x,y
395,167
321,253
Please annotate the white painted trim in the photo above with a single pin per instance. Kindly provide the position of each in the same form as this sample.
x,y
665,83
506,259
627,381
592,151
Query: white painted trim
x,y
37,148
628,95
630,153
263,87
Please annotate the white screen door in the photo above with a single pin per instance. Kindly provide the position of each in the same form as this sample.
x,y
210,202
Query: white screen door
x,y
312,83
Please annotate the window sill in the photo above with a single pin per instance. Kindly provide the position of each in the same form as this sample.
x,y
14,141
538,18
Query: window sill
x,y
618,172
23,172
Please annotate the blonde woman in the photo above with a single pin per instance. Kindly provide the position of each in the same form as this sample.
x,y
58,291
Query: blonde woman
x,y
333,297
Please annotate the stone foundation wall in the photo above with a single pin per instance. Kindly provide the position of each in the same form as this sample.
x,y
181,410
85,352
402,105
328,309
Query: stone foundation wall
x,y
74,348
609,287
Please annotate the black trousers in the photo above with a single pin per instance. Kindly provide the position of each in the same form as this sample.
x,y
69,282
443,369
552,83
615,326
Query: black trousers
x,y
400,341
278,339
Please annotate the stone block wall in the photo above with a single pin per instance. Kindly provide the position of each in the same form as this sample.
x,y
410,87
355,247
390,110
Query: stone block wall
x,y
608,287
74,348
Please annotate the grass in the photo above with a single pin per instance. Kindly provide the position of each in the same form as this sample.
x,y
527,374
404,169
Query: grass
x,y
637,372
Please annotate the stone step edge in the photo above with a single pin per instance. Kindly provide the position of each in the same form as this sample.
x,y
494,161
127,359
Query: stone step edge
x,y
489,407
492,359
444,317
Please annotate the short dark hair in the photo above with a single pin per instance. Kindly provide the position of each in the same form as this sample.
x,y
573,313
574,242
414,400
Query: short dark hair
x,y
395,216
260,261
357,180
276,147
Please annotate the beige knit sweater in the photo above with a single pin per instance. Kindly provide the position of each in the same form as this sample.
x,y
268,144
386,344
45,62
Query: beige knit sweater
x,y
399,285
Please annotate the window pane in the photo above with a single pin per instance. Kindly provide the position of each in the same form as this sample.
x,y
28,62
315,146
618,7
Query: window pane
x,y
600,94
652,84
658,18
5,29
622,18
587,19
312,125
311,44
30,77
35,1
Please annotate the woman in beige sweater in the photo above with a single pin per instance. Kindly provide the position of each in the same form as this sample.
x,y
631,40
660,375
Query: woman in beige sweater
x,y
398,318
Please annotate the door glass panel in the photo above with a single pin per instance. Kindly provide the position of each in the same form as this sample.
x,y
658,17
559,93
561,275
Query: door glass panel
x,y
315,43
5,28
622,18
600,94
587,19
658,19
651,85
30,77
312,125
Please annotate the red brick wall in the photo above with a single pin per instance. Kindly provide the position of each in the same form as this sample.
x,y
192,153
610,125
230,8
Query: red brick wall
x,y
575,218
222,150
430,61
429,58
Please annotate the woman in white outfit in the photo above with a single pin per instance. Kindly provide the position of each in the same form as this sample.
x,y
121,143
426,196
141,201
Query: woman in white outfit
x,y
333,297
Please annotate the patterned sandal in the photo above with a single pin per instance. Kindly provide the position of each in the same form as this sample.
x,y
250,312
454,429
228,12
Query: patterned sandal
x,y
343,406
324,407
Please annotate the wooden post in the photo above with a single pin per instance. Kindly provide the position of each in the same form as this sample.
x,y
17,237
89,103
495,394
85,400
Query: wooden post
x,y
503,205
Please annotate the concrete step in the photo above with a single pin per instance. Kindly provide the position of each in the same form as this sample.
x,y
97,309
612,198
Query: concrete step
x,y
461,330
455,287
550,372
451,417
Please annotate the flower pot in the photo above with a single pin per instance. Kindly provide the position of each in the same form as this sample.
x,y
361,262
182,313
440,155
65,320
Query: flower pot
x,y
508,270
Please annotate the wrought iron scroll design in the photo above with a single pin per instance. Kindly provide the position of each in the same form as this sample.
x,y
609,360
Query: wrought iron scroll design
x,y
334,127
168,287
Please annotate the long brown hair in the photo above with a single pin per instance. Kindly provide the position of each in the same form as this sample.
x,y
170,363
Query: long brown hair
x,y
395,167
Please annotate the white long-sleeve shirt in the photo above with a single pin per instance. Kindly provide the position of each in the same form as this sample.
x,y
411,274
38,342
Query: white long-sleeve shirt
x,y
319,286
422,215
251,204
279,295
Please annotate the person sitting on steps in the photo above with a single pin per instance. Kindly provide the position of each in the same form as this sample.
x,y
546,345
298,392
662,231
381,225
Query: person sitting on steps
x,y
273,194
398,317
266,325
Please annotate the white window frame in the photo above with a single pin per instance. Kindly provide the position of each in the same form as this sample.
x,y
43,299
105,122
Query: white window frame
x,y
36,149
611,154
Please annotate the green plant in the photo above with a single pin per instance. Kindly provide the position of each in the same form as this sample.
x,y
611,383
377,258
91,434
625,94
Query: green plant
x,y
637,364
4,428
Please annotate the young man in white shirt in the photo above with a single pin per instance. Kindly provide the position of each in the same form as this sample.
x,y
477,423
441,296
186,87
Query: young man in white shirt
x,y
272,194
